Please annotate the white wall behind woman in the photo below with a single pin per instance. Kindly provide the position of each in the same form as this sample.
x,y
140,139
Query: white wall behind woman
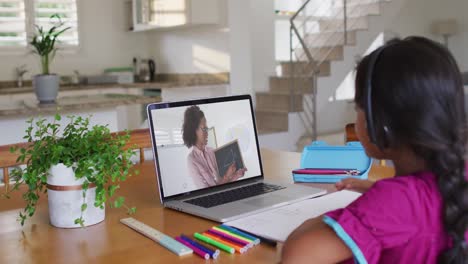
x,y
104,38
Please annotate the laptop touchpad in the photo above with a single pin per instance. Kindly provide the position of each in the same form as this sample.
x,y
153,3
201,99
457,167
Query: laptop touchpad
x,y
267,200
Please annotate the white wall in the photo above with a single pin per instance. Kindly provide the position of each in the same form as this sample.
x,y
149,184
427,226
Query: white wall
x,y
333,115
242,44
195,49
202,49
413,18
105,42
417,15
262,23
240,47
252,48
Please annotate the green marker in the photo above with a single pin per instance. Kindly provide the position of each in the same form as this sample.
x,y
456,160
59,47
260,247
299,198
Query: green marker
x,y
214,243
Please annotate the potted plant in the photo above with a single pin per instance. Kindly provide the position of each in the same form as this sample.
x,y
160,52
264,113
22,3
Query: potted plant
x,y
46,85
80,170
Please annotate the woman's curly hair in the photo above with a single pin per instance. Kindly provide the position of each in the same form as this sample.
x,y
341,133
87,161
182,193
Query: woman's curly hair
x,y
192,118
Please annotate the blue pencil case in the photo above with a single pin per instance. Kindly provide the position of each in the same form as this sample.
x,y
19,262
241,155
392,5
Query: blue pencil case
x,y
320,155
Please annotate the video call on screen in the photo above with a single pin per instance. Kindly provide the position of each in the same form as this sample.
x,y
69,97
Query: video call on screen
x,y
214,145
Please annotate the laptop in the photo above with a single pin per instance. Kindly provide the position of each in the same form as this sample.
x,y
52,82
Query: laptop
x,y
208,163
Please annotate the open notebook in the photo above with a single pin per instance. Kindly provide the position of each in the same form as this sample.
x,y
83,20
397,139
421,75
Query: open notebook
x,y
277,224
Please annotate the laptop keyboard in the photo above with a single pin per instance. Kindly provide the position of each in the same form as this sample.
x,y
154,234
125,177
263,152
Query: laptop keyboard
x,y
234,195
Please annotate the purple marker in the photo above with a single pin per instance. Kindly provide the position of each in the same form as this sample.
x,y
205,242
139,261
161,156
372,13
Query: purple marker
x,y
196,250
232,239
213,253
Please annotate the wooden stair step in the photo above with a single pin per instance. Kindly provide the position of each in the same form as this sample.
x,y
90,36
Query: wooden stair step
x,y
339,3
337,25
356,10
268,120
277,101
282,85
304,68
270,131
330,39
333,53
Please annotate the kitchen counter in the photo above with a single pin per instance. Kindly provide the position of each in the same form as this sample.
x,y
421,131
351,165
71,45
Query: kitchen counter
x,y
31,107
167,81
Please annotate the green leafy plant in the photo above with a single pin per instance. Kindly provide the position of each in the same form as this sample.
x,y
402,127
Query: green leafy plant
x,y
44,41
96,155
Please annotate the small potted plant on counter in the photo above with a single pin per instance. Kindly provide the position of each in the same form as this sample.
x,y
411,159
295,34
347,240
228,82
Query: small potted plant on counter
x,y
79,170
46,85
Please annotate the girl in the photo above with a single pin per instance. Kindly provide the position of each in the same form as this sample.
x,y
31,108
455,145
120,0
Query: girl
x,y
410,109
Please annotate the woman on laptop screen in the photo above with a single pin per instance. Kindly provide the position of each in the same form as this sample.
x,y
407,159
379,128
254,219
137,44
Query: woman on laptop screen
x,y
201,160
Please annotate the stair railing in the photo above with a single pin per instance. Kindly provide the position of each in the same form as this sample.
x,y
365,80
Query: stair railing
x,y
303,23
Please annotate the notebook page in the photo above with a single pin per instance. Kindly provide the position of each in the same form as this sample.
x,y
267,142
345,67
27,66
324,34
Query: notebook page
x,y
278,223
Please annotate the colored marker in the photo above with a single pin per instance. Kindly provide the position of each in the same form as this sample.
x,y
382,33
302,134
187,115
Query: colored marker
x,y
234,235
213,253
256,240
237,248
214,243
196,250
230,238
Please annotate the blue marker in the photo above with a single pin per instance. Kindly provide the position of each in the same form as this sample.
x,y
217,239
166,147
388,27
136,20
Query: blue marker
x,y
255,240
213,253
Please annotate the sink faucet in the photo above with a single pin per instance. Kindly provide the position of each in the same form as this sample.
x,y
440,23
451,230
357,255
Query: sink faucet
x,y
20,71
76,77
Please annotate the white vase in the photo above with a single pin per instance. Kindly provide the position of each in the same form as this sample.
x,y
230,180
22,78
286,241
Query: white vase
x,y
46,88
65,196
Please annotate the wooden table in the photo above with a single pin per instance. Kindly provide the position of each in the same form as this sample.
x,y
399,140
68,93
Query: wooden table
x,y
112,242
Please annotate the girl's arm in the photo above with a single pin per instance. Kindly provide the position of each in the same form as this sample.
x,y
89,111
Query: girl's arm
x,y
314,242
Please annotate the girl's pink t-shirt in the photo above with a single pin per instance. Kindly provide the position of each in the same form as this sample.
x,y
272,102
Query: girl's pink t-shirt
x,y
398,220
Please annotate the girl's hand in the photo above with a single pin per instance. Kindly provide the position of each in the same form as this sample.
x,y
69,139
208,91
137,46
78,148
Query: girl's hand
x,y
354,184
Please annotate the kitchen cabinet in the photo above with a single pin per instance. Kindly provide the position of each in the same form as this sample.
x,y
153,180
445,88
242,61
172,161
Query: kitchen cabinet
x,y
164,14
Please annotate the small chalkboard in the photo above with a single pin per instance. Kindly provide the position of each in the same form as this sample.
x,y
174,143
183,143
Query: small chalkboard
x,y
226,155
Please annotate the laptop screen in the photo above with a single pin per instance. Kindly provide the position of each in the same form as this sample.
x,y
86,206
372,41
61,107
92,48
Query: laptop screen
x,y
204,144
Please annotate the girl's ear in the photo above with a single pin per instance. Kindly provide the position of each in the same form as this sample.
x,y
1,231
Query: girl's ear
x,y
377,153
372,150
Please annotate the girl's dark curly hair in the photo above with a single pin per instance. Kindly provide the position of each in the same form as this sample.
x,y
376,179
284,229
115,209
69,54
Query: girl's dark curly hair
x,y
417,92
192,118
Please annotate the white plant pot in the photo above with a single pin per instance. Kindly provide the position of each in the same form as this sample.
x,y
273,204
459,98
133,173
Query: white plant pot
x,y
46,88
65,196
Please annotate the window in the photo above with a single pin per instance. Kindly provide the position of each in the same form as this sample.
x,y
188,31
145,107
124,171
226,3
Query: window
x,y
66,9
17,19
12,23
169,136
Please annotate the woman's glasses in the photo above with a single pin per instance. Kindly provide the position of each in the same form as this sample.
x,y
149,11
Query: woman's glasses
x,y
204,129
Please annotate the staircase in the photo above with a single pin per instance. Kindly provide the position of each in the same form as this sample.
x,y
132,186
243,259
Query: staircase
x,y
320,36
